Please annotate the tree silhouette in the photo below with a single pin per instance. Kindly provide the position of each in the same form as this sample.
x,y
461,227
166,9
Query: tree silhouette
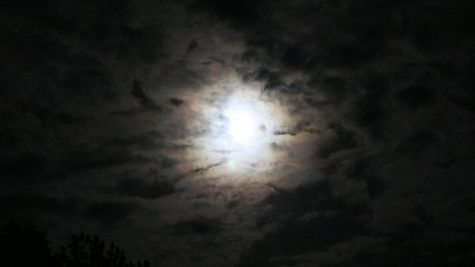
x,y
90,251
24,245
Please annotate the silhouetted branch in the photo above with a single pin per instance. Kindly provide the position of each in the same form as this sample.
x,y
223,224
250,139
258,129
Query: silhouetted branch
x,y
26,246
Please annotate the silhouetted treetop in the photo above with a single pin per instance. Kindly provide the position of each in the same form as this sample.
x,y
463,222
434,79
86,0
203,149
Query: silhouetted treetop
x,y
26,246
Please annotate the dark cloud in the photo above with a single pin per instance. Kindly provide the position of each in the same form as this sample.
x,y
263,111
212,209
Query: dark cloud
x,y
176,101
363,169
197,227
296,57
417,142
300,127
104,114
416,96
313,218
56,119
319,197
100,159
206,168
272,79
240,14
341,139
25,166
108,213
334,88
148,141
37,205
192,46
145,101
143,189
464,103
97,82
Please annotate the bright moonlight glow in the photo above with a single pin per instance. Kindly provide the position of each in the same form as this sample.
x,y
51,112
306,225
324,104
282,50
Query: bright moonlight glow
x,y
242,126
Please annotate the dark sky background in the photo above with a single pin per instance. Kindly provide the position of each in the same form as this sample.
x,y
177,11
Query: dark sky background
x,y
108,110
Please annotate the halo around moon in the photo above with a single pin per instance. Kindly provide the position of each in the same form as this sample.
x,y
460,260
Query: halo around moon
x,y
239,135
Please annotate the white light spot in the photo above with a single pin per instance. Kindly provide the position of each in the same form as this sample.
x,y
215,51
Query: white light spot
x,y
242,125
240,130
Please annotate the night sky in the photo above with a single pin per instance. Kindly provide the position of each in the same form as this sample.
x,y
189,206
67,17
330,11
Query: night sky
x,y
243,133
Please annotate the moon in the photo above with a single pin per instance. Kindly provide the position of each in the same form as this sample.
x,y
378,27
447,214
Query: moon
x,y
238,123
243,126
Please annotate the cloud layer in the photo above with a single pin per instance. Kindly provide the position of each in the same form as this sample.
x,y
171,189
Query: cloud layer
x,y
105,106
